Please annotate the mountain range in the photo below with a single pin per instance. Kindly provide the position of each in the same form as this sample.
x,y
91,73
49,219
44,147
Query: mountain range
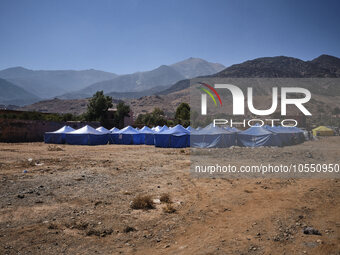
x,y
70,84
150,81
168,99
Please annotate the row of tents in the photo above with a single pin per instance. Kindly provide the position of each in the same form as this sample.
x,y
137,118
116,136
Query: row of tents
x,y
179,137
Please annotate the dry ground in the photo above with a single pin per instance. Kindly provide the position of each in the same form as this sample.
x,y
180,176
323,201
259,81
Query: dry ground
x,y
76,200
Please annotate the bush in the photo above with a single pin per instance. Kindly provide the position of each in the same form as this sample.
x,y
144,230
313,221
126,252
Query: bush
x,y
165,198
142,202
169,209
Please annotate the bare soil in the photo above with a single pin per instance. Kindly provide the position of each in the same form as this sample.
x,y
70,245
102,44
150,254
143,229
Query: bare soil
x,y
76,200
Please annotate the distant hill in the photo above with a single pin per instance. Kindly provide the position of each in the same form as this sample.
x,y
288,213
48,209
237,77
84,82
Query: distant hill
x,y
149,81
284,67
46,84
178,86
74,106
324,66
161,76
193,67
13,94
325,95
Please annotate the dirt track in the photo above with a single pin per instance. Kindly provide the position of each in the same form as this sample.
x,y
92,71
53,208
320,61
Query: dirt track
x,y
77,201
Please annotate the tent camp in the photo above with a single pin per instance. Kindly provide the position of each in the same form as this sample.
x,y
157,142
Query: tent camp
x,y
127,135
176,137
212,137
323,131
147,135
86,136
257,136
57,137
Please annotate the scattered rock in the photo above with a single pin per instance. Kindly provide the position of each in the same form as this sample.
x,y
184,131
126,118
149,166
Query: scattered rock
x,y
128,229
311,231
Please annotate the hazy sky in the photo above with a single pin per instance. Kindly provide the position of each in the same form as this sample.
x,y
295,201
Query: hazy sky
x,y
137,35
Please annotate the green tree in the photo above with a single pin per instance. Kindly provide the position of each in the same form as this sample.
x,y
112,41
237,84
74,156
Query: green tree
x,y
182,115
98,107
122,111
155,118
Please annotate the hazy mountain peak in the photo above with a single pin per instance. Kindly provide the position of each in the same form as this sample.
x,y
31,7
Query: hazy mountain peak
x,y
193,67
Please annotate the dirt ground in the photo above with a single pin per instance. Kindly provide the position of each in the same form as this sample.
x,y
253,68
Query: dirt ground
x,y
76,200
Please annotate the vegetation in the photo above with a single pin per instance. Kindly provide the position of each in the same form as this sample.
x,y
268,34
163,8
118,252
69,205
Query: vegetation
x,y
165,198
169,209
156,118
182,115
122,111
142,202
98,106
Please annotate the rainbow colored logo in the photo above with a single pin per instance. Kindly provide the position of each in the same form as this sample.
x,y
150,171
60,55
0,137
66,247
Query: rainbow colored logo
x,y
209,93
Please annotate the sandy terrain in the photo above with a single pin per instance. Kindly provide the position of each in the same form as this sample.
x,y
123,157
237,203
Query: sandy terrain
x,y
76,200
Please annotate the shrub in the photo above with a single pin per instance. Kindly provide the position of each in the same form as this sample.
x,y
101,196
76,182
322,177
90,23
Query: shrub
x,y
165,198
169,209
142,202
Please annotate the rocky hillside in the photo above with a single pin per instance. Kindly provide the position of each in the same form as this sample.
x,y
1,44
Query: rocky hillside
x,y
284,67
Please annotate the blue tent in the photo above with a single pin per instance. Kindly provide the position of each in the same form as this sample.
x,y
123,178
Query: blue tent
x,y
147,135
114,130
112,137
189,128
103,130
176,137
288,135
86,136
212,137
157,129
162,129
232,129
57,137
257,136
127,135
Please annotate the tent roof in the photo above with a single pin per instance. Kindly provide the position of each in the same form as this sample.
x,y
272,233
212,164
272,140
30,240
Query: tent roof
x,y
103,130
146,130
128,130
157,128
164,128
211,130
64,129
322,128
86,130
114,130
177,130
232,129
256,131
